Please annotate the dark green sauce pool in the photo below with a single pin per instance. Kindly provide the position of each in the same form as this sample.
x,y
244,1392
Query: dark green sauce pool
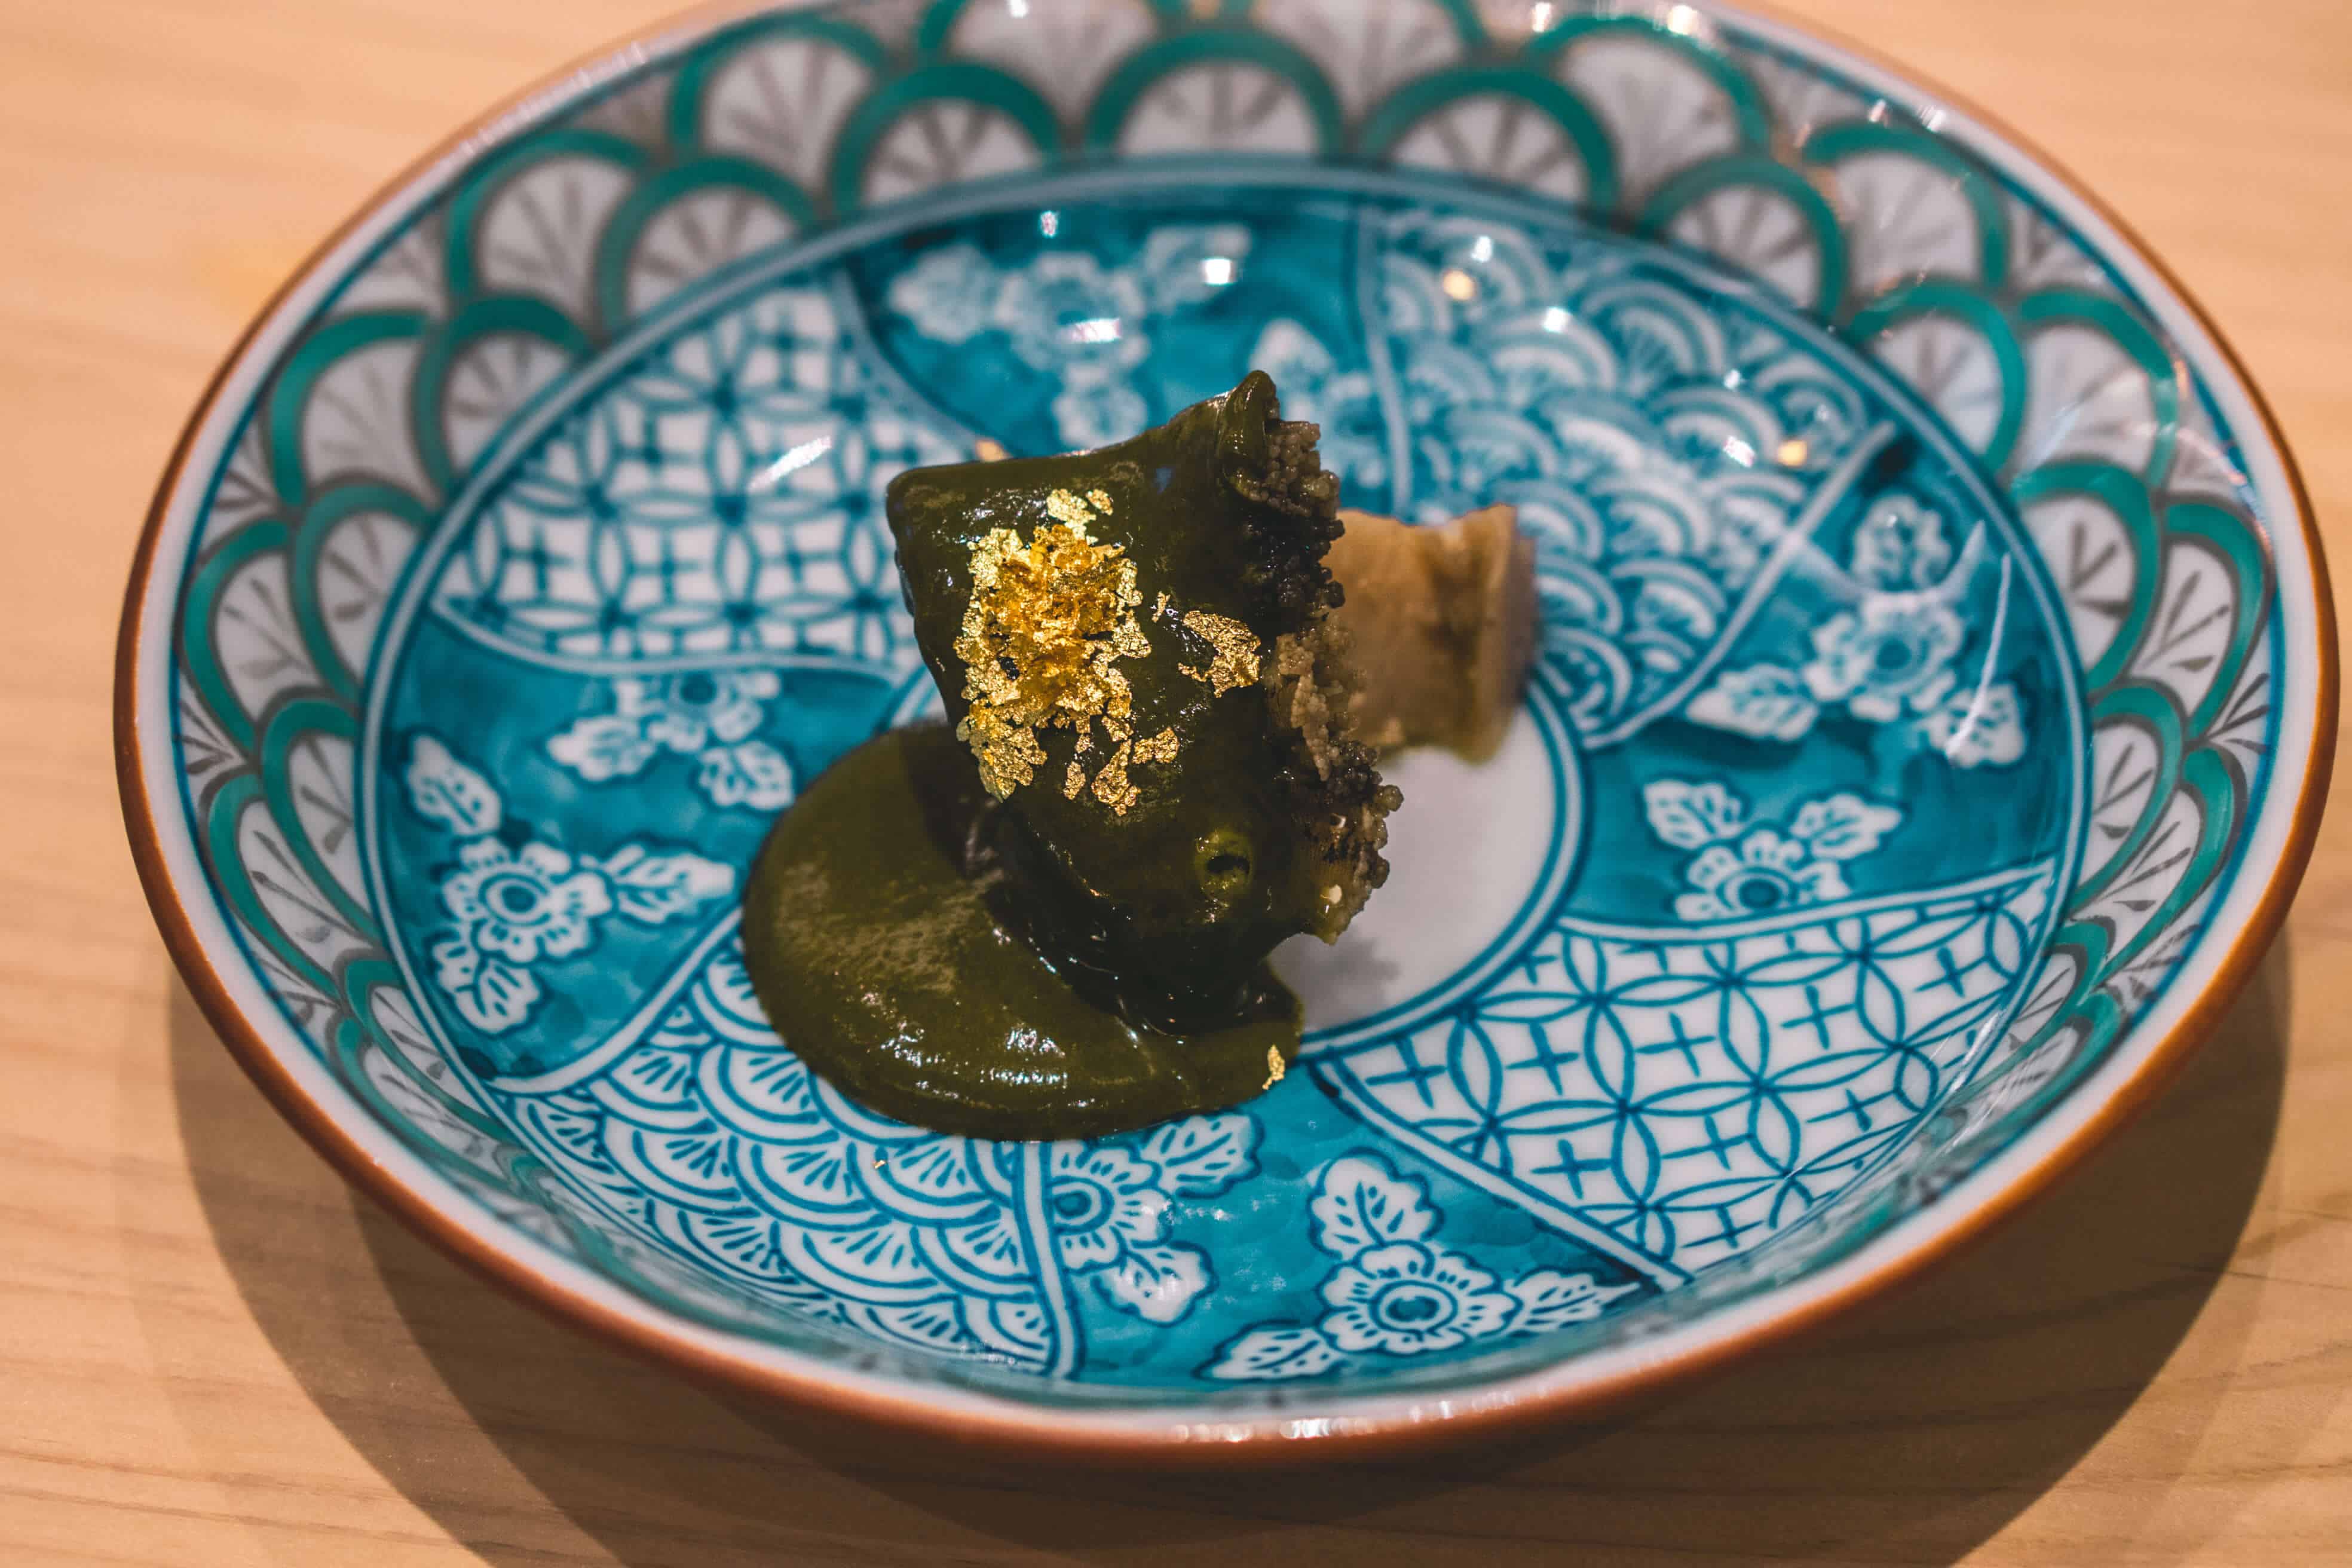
x,y
874,949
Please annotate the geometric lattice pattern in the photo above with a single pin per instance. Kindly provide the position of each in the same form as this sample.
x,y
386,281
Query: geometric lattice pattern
x,y
1687,1095
726,498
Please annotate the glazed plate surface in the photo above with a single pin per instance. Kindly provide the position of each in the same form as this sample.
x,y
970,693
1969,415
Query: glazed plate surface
x,y
1925,734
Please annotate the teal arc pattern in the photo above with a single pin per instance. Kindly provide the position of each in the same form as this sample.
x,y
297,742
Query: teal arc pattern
x,y
688,171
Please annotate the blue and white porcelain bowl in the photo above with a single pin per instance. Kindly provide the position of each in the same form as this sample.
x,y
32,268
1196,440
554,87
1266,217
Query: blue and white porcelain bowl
x,y
1935,697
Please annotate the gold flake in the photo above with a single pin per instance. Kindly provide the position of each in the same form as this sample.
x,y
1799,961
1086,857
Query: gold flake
x,y
1236,650
1008,754
1047,625
990,450
1068,510
1111,785
1274,1070
1160,748
1047,622
1160,609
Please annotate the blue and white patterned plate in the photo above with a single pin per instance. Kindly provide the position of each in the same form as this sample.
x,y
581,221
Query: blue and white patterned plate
x,y
1929,730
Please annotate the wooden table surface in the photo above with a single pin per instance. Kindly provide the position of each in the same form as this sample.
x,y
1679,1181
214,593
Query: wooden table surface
x,y
211,1353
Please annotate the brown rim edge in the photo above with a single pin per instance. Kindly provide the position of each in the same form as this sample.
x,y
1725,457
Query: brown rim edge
x,y
1038,1437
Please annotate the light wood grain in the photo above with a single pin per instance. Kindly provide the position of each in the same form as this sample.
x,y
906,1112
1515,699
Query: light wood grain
x,y
212,1353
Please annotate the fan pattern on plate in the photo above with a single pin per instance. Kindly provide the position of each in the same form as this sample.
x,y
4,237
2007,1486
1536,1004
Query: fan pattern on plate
x,y
713,1138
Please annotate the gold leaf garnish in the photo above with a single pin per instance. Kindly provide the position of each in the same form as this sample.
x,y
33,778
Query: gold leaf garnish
x,y
1046,623
1160,748
1274,1070
1233,652
1111,785
1067,510
1008,754
1127,639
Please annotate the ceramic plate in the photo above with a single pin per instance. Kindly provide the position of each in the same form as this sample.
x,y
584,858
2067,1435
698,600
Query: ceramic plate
x,y
1929,728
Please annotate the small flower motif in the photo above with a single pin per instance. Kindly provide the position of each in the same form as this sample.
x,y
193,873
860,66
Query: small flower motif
x,y
1395,1291
1900,545
950,294
686,712
1744,869
753,774
1841,826
492,995
1693,815
1406,1299
1974,726
1095,414
1104,1202
525,904
1765,873
1768,701
1887,660
511,907
1066,314
1108,1204
709,715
